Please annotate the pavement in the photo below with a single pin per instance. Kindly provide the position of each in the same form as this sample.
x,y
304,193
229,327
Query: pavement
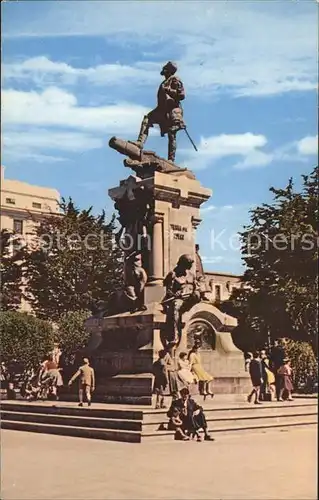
x,y
272,465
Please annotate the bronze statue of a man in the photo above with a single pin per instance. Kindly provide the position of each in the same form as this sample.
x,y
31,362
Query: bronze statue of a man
x,y
168,113
182,292
135,279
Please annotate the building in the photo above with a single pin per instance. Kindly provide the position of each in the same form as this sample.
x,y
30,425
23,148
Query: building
x,y
221,285
21,205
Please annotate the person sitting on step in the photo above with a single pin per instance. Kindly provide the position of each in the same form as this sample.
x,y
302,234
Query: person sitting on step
x,y
191,414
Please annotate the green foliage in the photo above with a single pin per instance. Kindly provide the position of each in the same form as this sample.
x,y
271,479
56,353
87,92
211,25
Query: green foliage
x,y
11,271
75,265
71,334
280,249
24,338
303,363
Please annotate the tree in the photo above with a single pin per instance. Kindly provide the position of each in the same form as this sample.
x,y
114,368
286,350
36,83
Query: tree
x,y
304,365
280,250
11,271
71,332
75,263
24,338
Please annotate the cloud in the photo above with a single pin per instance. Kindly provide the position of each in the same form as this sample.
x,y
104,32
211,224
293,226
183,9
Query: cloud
x,y
210,208
213,148
56,107
213,260
42,71
221,47
40,145
207,209
37,125
48,139
308,145
254,159
248,147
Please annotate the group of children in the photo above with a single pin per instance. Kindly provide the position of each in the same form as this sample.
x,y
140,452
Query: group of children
x,y
269,380
45,381
172,375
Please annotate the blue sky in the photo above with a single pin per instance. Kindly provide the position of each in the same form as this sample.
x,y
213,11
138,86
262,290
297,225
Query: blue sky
x,y
77,72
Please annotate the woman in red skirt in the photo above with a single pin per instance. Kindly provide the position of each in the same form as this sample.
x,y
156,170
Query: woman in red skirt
x,y
285,381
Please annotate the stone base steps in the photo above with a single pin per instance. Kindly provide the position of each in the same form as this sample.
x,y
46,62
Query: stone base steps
x,y
66,430
135,424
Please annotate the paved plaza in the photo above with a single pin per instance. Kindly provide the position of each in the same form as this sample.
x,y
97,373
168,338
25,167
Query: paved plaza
x,y
271,465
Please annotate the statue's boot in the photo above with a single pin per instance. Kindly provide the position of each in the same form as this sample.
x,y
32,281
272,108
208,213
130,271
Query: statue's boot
x,y
171,146
143,133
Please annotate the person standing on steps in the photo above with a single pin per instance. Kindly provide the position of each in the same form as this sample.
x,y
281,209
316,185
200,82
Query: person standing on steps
x,y
86,381
285,380
263,387
255,372
276,358
161,381
269,376
200,374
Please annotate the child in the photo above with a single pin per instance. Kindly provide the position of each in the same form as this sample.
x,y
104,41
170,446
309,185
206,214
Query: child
x,y
270,377
86,381
161,379
184,371
285,380
256,378
175,423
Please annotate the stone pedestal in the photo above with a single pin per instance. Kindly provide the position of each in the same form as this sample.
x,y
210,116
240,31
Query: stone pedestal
x,y
177,200
122,350
124,347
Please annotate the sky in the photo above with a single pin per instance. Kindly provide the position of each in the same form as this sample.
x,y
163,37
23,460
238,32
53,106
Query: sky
x,y
75,73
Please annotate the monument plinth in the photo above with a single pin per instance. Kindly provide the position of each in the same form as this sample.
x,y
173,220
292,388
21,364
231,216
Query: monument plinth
x,y
124,346
163,303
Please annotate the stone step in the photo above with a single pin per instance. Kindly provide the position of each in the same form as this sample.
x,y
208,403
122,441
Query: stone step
x,y
216,405
76,421
245,411
123,424
65,430
223,430
59,409
238,421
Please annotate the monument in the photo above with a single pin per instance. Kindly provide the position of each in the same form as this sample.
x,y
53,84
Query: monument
x,y
162,301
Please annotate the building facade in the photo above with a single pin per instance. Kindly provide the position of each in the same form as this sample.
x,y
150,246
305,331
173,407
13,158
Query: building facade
x,y
221,285
21,205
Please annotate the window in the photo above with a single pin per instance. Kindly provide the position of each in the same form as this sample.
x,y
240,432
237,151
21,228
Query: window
x,y
217,293
36,205
18,226
10,201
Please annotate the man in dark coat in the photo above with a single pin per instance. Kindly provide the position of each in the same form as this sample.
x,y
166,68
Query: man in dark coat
x,y
277,356
191,414
255,372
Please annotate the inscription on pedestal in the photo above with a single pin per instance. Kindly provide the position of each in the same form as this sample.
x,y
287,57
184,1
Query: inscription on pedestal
x,y
181,237
178,231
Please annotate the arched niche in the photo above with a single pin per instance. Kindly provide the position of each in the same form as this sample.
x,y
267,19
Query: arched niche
x,y
201,328
213,327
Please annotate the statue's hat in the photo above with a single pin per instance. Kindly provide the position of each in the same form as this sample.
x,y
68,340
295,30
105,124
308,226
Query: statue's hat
x,y
170,66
